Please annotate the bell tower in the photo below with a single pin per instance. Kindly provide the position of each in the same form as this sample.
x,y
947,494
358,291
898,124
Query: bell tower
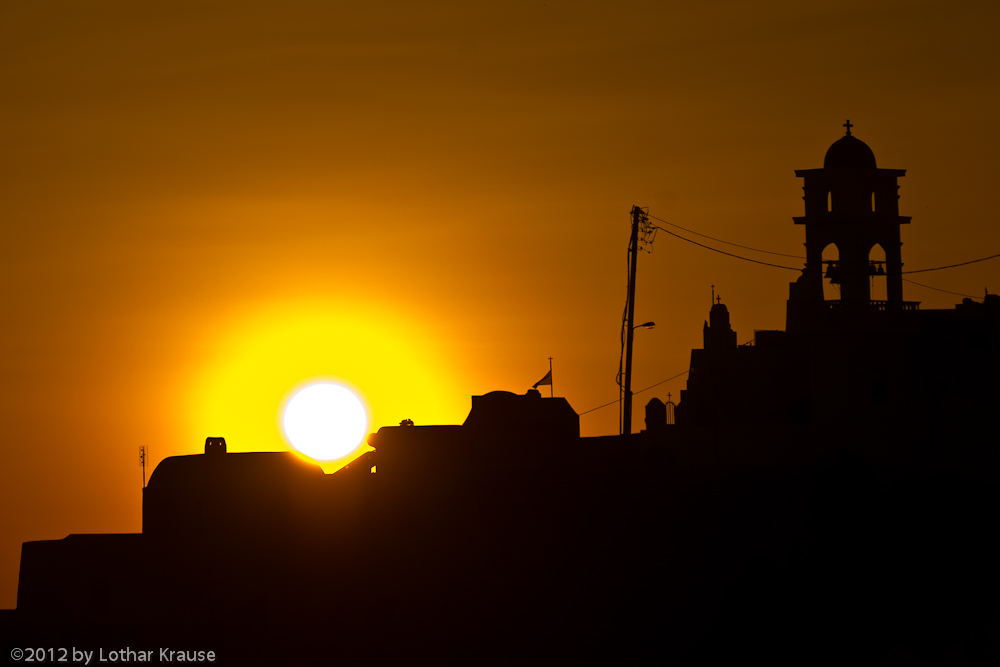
x,y
854,205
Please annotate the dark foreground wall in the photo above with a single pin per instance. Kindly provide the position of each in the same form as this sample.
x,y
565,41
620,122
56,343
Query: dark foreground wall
x,y
594,549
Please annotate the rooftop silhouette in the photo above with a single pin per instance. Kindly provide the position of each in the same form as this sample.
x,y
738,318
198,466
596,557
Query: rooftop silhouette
x,y
810,504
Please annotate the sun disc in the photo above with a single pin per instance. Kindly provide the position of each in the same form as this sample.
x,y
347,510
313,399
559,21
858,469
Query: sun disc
x,y
325,421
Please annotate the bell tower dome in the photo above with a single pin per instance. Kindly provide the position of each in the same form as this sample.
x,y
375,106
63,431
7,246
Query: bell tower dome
x,y
854,205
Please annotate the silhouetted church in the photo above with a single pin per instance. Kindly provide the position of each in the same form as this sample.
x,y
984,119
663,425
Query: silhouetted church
x,y
823,498
881,378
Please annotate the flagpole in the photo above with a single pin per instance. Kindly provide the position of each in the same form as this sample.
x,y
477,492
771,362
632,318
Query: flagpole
x,y
552,393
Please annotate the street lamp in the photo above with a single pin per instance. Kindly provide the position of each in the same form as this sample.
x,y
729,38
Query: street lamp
x,y
640,223
627,389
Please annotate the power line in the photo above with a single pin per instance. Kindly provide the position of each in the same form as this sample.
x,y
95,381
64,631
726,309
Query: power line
x,y
636,392
614,402
661,382
747,259
745,247
779,266
781,254
952,266
942,290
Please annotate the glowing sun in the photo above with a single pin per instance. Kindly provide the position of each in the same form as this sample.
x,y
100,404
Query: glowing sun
x,y
325,421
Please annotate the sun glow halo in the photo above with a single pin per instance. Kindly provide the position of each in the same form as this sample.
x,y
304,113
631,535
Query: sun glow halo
x,y
325,421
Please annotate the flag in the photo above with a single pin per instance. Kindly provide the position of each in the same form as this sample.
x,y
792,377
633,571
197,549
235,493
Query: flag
x,y
545,380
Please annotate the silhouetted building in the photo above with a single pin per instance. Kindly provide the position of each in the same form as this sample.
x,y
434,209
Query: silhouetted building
x,y
805,508
508,415
656,415
850,373
854,206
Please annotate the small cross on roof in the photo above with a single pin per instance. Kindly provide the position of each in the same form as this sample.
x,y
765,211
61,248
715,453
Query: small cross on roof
x,y
848,126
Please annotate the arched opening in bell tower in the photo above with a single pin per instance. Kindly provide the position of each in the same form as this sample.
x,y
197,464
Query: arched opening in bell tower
x,y
876,272
831,272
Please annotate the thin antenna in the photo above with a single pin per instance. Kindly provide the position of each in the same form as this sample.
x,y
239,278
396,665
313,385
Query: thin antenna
x,y
142,459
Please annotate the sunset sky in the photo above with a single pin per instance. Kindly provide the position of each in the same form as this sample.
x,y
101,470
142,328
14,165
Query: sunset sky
x,y
204,204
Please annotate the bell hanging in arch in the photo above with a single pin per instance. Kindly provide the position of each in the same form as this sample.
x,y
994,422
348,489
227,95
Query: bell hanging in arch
x,y
833,273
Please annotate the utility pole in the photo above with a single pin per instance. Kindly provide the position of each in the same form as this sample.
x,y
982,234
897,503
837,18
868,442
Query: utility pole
x,y
639,218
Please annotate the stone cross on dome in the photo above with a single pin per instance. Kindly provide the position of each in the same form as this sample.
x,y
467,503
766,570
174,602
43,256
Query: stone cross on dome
x,y
848,126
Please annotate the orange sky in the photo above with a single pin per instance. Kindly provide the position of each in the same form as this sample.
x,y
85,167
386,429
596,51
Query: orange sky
x,y
204,204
